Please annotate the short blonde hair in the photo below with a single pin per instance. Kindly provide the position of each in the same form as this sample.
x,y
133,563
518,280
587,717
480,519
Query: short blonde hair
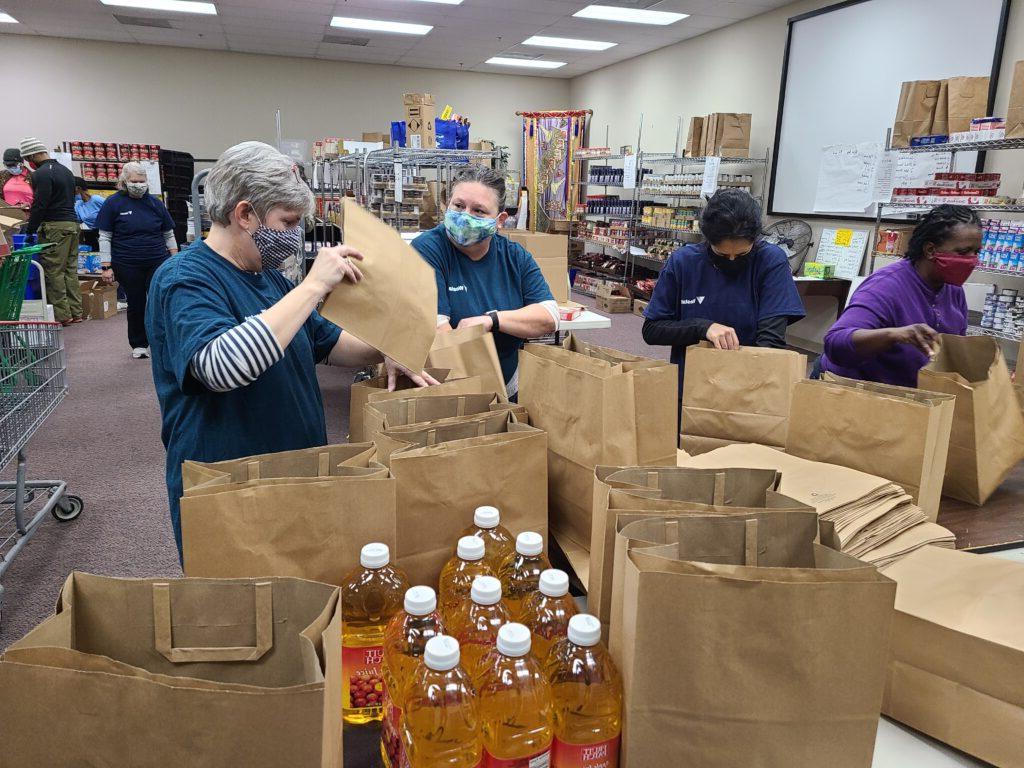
x,y
259,174
129,169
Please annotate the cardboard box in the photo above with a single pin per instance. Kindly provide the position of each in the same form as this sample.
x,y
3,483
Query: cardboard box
x,y
420,113
373,138
819,271
639,305
551,252
415,99
893,240
613,298
99,300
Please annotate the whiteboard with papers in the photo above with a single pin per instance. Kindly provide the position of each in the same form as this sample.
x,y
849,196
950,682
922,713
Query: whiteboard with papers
x,y
844,248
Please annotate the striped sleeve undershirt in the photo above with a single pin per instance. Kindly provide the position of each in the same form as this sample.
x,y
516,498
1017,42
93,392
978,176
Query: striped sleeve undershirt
x,y
237,357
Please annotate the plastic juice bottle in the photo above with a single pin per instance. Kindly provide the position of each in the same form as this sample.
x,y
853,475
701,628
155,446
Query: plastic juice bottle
x,y
458,574
370,596
498,542
475,625
587,694
515,704
520,573
441,727
547,612
404,642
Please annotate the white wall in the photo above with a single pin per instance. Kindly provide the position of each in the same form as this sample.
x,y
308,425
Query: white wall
x,y
739,69
204,101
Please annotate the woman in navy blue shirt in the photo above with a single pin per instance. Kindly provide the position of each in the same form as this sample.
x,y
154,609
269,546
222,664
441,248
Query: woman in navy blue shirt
x,y
234,343
732,290
136,235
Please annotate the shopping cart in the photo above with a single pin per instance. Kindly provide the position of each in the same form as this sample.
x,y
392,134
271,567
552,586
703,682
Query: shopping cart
x,y
32,383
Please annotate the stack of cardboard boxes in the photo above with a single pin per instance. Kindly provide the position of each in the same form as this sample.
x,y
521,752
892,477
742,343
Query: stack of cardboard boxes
x,y
721,134
420,113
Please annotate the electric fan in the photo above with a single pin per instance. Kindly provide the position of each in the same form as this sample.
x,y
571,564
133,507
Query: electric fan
x,y
794,237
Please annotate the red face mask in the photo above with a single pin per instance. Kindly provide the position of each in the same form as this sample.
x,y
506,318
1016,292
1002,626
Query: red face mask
x,y
954,268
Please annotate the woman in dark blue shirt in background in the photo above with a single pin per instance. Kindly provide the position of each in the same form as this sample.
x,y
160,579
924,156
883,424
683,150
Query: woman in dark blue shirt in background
x,y
732,290
136,235
234,343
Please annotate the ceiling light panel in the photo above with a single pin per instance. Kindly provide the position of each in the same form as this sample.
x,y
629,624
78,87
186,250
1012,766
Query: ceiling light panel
x,y
503,61
440,2
375,25
569,43
177,6
629,15
6,18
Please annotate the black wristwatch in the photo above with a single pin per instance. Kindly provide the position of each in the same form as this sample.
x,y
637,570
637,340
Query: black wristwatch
x,y
495,325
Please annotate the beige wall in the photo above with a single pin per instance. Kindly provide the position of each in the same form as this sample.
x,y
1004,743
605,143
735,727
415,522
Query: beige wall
x,y
204,101
739,69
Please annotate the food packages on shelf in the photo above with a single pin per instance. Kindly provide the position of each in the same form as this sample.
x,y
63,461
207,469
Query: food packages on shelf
x,y
1002,245
1004,312
247,668
955,189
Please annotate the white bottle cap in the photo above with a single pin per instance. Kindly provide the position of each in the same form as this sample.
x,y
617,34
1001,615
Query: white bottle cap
x,y
486,517
374,555
554,583
470,548
529,543
486,590
420,601
513,640
584,629
441,653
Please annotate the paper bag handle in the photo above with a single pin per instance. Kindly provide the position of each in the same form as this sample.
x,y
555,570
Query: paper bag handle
x,y
264,599
718,497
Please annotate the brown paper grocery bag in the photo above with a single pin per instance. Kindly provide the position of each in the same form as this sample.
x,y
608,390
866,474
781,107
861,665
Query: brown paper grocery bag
x,y
598,406
915,113
376,389
445,472
958,652
733,652
694,136
898,433
1015,109
155,672
620,492
298,513
469,352
394,307
987,438
740,395
968,99
733,135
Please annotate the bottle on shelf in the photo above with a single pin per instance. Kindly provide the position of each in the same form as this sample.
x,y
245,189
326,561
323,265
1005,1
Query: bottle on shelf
x,y
515,704
441,727
586,693
548,610
476,623
498,542
405,640
458,574
520,573
370,597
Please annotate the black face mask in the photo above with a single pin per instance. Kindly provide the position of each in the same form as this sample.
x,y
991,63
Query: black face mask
x,y
730,267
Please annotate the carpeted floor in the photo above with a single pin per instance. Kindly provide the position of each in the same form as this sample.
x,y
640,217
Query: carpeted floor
x,y
104,439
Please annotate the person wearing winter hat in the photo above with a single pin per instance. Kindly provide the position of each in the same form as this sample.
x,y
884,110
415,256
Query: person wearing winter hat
x,y
15,181
52,214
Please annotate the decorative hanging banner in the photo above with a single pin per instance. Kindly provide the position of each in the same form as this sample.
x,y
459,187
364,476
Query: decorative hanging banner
x,y
550,141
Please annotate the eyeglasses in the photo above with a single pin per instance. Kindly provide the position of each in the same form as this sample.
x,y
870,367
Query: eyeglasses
x,y
736,256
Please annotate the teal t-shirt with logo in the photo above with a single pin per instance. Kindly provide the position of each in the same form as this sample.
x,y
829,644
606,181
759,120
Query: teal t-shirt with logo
x,y
506,278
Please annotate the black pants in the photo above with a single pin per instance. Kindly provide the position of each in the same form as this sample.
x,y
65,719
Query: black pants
x,y
134,278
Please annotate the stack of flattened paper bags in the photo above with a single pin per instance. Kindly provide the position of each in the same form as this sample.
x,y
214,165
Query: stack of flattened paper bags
x,y
871,518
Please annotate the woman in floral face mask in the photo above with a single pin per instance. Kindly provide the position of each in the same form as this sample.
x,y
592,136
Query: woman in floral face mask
x,y
234,343
484,278
890,328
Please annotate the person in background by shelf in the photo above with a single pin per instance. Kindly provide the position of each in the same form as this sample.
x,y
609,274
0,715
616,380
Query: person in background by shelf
x,y
235,344
136,236
87,207
484,278
732,290
52,215
15,181
890,328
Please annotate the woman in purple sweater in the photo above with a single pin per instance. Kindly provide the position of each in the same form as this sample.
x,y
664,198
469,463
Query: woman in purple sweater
x,y
892,323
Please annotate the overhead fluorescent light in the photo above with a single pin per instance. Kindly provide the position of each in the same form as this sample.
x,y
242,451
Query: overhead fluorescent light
x,y
629,15
503,61
374,25
178,6
6,18
569,42
441,2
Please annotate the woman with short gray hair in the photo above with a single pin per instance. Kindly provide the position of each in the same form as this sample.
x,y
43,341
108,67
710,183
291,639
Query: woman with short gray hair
x,y
136,236
234,343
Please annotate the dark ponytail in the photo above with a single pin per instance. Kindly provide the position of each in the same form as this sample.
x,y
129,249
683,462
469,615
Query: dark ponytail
x,y
937,225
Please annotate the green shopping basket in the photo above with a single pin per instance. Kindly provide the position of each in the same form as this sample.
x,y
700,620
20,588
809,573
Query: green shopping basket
x,y
14,278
